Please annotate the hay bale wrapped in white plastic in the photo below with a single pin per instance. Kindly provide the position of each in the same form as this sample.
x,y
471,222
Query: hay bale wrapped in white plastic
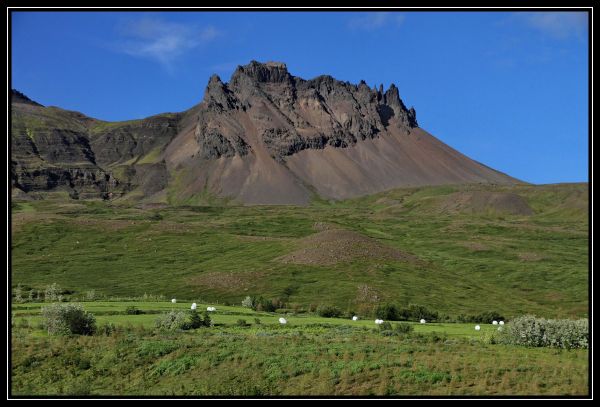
x,y
282,321
494,322
212,309
477,327
173,301
422,321
194,306
355,318
379,321
501,322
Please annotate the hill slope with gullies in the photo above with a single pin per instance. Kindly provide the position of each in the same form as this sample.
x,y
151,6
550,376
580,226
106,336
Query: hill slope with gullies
x,y
265,137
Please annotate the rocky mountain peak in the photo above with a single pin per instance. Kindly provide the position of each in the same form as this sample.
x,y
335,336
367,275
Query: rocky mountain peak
x,y
275,72
18,97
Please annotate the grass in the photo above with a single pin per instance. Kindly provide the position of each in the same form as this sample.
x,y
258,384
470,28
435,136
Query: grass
x,y
115,312
298,359
217,255
467,263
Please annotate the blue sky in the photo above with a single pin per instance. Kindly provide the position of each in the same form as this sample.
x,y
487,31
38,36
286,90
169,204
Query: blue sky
x,y
509,90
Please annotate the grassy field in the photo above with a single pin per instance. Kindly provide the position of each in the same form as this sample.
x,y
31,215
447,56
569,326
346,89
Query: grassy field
x,y
465,262
453,249
308,356
115,312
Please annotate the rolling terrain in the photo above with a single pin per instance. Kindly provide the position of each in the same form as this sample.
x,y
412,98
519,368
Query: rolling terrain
x,y
455,249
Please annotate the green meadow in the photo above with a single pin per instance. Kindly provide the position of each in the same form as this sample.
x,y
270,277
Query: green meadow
x,y
431,246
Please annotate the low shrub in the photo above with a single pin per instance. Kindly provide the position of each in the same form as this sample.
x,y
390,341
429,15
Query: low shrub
x,y
172,320
559,333
68,319
403,328
133,310
242,322
329,311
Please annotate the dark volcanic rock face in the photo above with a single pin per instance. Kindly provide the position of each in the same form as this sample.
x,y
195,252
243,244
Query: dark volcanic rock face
x,y
292,114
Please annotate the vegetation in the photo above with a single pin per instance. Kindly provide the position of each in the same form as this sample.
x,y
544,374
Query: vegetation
x,y
531,331
277,360
67,319
466,263
466,268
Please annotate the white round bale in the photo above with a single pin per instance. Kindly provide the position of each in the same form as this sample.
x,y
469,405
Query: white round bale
x,y
355,318
494,322
501,322
173,301
194,306
477,327
282,321
422,321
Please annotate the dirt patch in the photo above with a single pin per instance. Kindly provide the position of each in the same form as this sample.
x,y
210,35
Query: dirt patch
x,y
321,226
485,201
226,281
337,246
529,256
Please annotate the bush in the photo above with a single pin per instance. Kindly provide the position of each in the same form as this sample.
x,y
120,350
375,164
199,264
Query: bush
x,y
257,321
249,302
132,310
403,328
53,293
207,322
416,312
106,329
483,318
242,322
386,326
329,311
387,312
66,319
559,333
172,320
195,320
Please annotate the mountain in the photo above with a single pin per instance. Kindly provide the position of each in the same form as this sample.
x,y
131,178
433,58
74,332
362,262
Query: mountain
x,y
265,137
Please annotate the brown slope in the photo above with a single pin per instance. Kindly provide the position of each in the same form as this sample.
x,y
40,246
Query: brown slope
x,y
267,137
396,160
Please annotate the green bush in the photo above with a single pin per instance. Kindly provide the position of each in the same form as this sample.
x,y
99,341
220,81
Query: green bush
x,y
386,326
172,320
483,318
249,302
242,322
195,321
67,319
559,333
132,310
403,328
387,312
329,311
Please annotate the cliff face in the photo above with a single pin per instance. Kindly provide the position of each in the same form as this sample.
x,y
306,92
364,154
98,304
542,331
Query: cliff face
x,y
265,137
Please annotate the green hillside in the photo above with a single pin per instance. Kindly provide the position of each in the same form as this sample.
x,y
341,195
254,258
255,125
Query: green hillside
x,y
455,249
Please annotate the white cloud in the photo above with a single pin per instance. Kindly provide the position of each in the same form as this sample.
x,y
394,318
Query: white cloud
x,y
559,25
375,20
161,40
